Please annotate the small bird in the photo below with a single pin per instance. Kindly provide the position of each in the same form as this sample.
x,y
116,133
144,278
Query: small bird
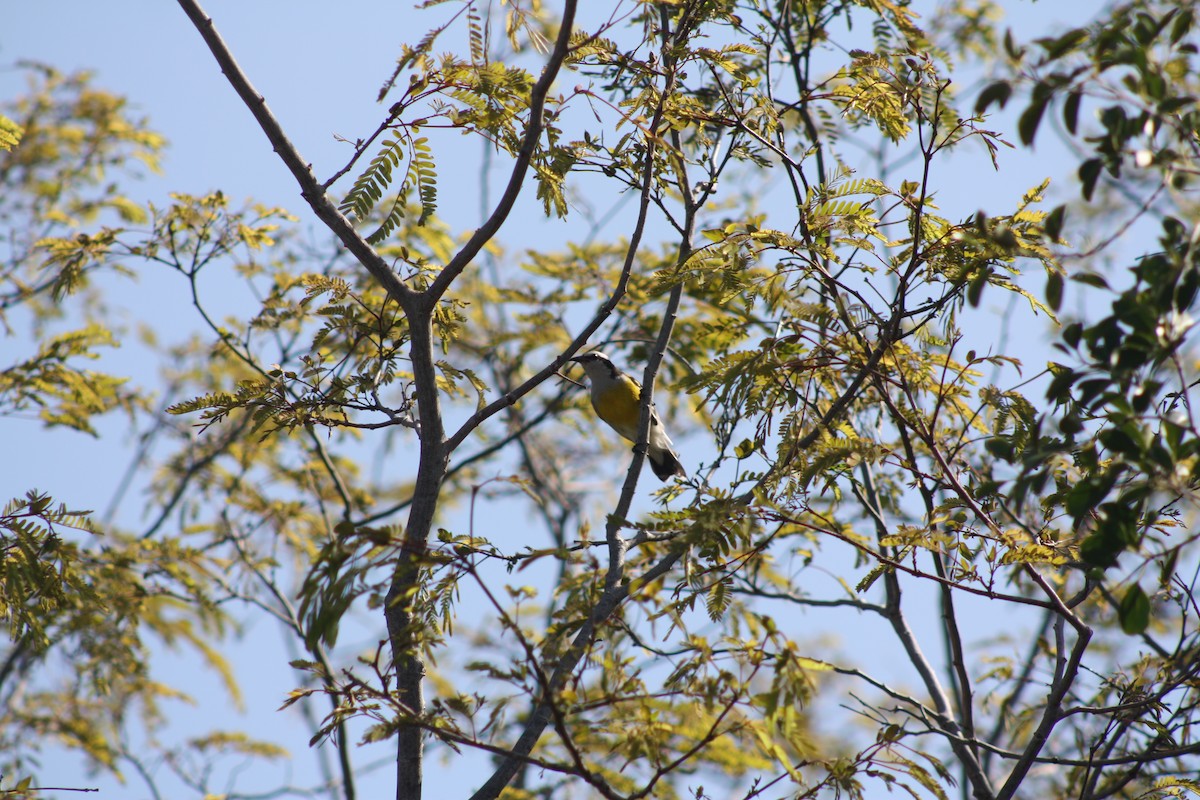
x,y
616,398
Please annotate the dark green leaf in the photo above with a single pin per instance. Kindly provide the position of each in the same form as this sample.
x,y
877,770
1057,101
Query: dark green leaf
x,y
1118,440
1001,448
1059,46
1071,110
1181,26
1134,611
997,93
1100,550
1090,279
1071,334
1054,290
1089,173
1030,119
1054,222
1070,424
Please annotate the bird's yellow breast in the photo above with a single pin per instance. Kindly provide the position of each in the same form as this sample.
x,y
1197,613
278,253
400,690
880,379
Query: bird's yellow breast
x,y
617,404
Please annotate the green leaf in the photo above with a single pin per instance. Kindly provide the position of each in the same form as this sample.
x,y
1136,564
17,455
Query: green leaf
x,y
1090,279
1031,118
1089,173
1059,46
997,93
1071,111
1100,550
1181,26
1053,223
870,578
1072,334
1054,290
1134,611
370,186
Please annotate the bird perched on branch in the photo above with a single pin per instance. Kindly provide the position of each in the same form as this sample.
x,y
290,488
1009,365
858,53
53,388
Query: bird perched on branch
x,y
616,397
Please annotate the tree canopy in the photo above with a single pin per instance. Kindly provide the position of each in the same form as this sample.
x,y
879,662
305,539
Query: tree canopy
x,y
373,438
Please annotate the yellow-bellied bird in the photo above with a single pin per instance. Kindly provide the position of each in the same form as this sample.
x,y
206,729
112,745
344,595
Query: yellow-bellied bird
x,y
616,398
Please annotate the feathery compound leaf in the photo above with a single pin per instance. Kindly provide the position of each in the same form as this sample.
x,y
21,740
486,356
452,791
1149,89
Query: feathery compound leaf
x,y
425,171
10,133
371,185
390,222
414,56
421,177
585,46
717,600
475,35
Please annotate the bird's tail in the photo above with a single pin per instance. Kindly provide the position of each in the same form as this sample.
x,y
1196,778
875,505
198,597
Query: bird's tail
x,y
665,463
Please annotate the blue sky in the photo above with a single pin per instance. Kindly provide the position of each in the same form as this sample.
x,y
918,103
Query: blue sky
x,y
319,66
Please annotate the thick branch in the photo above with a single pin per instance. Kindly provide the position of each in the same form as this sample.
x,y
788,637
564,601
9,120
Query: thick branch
x,y
310,188
435,450
398,609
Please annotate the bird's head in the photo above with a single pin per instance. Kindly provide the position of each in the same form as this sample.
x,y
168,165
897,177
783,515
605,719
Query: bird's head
x,y
596,364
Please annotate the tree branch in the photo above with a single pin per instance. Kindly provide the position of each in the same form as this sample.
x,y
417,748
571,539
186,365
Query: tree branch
x,y
310,188
1050,717
516,179
543,712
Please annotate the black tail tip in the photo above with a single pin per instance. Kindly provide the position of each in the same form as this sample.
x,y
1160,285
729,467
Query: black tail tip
x,y
667,465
